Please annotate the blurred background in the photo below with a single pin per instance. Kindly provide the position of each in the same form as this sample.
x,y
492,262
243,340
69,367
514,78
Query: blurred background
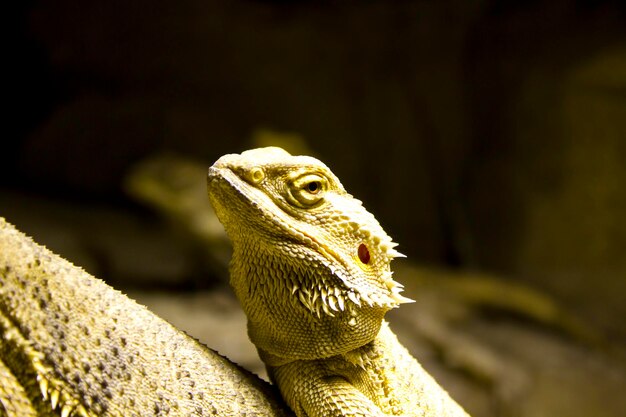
x,y
488,138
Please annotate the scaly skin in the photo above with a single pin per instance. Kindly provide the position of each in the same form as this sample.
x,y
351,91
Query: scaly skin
x,y
70,345
311,269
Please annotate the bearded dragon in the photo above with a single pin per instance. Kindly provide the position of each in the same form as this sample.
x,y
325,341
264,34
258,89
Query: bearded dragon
x,y
70,345
311,269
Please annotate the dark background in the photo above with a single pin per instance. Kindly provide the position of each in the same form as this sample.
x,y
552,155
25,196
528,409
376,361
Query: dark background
x,y
484,135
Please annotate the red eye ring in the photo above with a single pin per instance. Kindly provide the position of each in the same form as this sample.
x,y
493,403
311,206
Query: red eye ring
x,y
364,254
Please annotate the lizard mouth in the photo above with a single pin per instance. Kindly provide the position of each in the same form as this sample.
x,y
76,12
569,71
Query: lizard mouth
x,y
228,189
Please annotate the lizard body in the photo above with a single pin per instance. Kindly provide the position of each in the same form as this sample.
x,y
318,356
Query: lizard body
x,y
70,345
311,269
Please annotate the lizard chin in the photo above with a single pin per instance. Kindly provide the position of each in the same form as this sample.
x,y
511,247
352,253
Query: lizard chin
x,y
315,319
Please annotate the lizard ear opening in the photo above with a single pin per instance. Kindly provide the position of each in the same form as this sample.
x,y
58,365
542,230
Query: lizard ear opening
x,y
364,254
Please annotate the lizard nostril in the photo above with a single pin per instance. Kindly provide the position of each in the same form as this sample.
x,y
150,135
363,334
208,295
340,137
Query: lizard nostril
x,y
256,175
364,253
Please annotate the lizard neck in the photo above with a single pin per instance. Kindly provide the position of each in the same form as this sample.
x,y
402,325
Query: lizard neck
x,y
282,322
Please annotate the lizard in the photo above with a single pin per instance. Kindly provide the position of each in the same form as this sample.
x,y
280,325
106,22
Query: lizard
x,y
71,345
311,269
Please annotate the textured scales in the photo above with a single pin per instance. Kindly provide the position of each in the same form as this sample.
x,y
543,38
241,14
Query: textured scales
x,y
70,345
311,269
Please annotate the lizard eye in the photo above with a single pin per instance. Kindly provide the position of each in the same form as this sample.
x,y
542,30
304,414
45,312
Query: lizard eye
x,y
313,187
308,190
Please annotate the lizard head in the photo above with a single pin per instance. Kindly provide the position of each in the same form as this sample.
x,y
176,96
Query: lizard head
x,y
305,251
